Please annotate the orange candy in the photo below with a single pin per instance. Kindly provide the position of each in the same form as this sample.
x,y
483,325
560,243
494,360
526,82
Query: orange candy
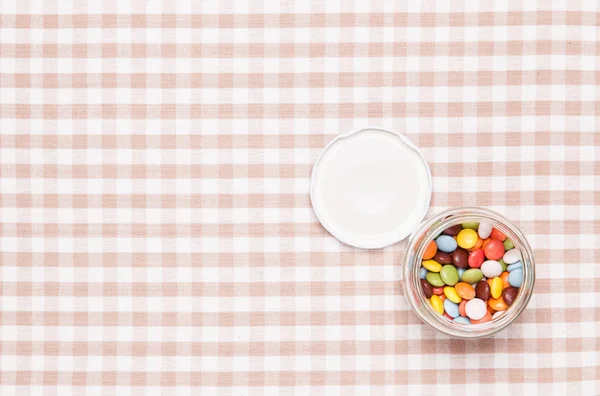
x,y
464,290
442,297
504,278
497,235
485,242
489,281
461,308
477,245
430,251
486,318
490,310
497,304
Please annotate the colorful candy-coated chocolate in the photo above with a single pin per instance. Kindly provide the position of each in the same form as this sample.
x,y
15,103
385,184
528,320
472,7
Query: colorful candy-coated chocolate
x,y
467,238
509,295
491,269
472,275
496,288
462,320
503,264
498,235
451,308
449,275
442,257
486,318
497,304
422,273
450,292
427,289
446,243
435,279
476,258
504,277
477,245
512,256
432,266
494,250
460,258
498,314
461,308
437,304
470,225
508,244
464,290
453,231
461,271
442,297
438,290
430,251
490,310
475,309
448,316
515,278
482,290
484,230
514,266
485,242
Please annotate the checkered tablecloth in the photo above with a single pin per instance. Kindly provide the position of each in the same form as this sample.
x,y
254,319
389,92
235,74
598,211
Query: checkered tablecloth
x,y
156,232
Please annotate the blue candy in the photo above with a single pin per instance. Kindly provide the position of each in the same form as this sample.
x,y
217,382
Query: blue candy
x,y
514,266
451,308
422,272
446,243
515,278
462,320
460,272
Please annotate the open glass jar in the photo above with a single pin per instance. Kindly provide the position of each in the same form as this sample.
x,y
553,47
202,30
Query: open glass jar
x,y
433,227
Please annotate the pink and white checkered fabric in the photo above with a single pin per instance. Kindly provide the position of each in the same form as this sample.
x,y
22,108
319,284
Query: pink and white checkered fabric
x,y
156,232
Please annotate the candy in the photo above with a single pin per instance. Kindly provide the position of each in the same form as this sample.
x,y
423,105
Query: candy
x,y
432,266
447,316
446,243
461,308
451,308
497,235
435,279
496,287
450,292
453,231
442,297
476,258
438,291
472,275
509,295
503,264
460,258
482,290
508,244
475,309
427,289
486,318
437,304
422,273
449,275
494,250
478,245
514,266
515,278
497,314
471,225
484,231
512,256
467,238
442,257
497,304
491,269
462,320
461,271
430,251
464,290
504,277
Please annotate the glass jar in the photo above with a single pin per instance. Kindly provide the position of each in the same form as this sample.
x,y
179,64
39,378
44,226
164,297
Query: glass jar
x,y
430,229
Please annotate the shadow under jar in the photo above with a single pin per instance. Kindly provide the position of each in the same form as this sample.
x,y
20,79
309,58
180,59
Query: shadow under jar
x,y
433,227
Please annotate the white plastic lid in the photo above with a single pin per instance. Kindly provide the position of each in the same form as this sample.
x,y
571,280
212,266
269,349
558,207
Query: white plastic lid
x,y
371,187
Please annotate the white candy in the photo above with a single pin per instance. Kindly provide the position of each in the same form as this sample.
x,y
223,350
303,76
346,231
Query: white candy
x,y
484,230
497,314
491,269
512,256
475,309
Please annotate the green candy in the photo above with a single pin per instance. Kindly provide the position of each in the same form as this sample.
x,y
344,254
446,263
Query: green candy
x,y
508,244
503,264
434,279
472,225
472,275
449,275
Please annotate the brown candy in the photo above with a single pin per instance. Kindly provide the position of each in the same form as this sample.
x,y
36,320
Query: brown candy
x,y
427,288
442,257
509,295
453,231
460,258
482,290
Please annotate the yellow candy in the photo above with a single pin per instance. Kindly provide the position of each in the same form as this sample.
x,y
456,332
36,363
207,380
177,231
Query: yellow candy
x,y
450,292
437,304
432,266
467,238
496,287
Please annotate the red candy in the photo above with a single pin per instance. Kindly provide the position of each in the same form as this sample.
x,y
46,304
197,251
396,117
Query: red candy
x,y
497,235
476,258
438,291
494,250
